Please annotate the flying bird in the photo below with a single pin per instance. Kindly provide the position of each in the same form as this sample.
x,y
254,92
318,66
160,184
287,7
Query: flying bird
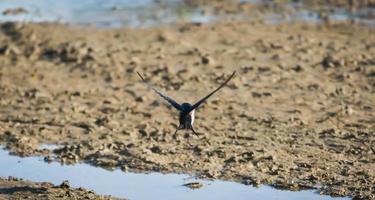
x,y
187,111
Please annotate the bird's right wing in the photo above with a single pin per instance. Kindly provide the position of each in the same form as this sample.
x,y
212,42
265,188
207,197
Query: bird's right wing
x,y
170,100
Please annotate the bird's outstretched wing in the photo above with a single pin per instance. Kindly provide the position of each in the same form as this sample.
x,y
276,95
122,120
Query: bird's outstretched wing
x,y
196,105
170,100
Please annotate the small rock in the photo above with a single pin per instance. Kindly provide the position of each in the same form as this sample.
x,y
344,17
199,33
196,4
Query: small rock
x,y
256,95
329,62
48,159
14,11
297,68
206,60
156,149
193,185
251,181
124,168
65,184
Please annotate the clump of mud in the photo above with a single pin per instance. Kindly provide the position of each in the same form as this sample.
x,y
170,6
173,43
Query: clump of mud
x,y
13,188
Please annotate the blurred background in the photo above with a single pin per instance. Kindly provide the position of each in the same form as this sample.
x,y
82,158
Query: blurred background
x,y
117,13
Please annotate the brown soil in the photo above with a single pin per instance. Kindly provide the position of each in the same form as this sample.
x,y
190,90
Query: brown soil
x,y
299,114
13,188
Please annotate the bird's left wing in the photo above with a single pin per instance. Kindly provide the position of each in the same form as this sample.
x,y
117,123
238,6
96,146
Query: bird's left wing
x,y
196,105
170,100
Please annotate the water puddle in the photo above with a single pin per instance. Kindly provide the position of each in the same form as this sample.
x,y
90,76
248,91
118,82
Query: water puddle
x,y
144,13
137,185
102,13
298,12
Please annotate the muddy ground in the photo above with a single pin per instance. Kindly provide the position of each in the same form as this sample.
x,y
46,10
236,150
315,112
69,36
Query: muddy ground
x,y
13,188
299,114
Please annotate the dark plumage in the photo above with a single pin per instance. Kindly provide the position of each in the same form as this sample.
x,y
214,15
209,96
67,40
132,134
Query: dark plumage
x,y
187,111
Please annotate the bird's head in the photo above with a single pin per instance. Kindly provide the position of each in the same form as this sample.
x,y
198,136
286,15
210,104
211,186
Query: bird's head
x,y
185,106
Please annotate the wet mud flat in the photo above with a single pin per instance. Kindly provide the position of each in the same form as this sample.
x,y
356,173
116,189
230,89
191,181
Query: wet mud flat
x,y
128,185
299,115
14,188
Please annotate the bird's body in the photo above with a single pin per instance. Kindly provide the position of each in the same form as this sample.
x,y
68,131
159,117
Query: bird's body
x,y
187,111
187,117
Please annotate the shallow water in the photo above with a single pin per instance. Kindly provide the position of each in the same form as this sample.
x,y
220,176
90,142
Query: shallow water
x,y
143,13
137,185
298,12
104,13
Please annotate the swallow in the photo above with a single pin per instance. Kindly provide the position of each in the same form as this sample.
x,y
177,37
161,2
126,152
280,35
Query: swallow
x,y
187,111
